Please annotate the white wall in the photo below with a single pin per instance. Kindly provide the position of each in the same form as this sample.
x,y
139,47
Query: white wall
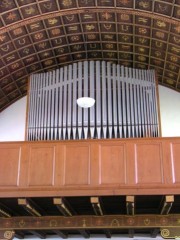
x,y
12,119
170,112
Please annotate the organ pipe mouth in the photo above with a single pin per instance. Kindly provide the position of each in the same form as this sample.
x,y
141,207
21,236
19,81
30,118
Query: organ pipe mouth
x,y
85,102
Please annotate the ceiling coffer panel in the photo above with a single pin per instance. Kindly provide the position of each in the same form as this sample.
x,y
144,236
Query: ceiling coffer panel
x,y
42,35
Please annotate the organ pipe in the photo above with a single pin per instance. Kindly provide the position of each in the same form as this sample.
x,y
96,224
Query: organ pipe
x,y
126,103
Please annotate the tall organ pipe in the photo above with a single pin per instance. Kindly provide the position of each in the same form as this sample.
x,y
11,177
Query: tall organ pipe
x,y
126,103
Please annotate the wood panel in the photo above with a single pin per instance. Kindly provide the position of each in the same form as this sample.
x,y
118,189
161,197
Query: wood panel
x,y
41,166
148,163
10,159
90,167
77,165
175,161
112,164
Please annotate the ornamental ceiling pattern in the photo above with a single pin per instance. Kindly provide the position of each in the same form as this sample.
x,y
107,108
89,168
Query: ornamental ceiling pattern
x,y
42,35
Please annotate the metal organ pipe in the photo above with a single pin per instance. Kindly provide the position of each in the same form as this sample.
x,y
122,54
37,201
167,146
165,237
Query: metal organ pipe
x,y
126,103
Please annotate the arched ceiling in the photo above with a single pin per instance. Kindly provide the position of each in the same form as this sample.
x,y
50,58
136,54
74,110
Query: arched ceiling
x,y
41,35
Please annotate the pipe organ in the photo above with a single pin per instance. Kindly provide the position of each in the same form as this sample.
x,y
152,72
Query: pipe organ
x,y
125,103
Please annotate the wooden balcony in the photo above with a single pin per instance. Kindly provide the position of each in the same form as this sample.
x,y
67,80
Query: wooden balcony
x,y
149,166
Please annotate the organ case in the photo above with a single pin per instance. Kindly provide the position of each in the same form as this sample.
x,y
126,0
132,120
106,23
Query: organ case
x,y
126,103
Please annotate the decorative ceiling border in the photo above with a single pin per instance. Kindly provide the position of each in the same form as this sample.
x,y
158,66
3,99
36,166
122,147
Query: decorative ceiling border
x,y
78,11
91,222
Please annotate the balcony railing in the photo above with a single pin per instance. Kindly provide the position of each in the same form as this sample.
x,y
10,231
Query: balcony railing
x,y
90,167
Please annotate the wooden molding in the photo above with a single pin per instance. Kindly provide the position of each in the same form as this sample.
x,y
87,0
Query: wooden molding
x,y
61,204
170,233
29,207
167,204
7,235
96,206
158,106
130,205
90,222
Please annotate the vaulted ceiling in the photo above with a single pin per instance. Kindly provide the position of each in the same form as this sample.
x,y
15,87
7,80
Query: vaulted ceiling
x,y
41,35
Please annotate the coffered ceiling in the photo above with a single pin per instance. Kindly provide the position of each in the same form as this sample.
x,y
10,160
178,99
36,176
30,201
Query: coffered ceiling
x,y
41,35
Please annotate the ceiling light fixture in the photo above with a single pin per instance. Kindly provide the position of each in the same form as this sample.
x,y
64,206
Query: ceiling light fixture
x,y
85,102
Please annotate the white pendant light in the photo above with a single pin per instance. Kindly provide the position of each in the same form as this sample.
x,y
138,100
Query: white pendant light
x,y
85,102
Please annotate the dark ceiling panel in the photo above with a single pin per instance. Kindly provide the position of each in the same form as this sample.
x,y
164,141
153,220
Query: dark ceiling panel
x,y
41,35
